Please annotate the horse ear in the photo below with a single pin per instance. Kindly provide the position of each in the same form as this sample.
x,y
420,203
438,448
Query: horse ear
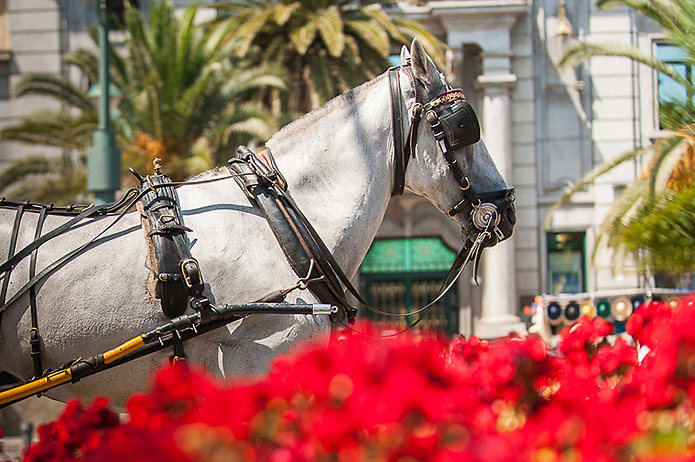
x,y
405,56
423,66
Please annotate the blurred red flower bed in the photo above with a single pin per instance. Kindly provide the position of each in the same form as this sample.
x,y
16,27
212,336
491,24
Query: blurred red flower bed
x,y
405,399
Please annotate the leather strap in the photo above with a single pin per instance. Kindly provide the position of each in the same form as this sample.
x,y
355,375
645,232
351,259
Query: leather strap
x,y
301,243
34,334
125,204
86,213
399,153
12,247
296,242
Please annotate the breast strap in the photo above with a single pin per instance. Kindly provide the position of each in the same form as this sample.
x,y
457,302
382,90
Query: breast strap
x,y
302,246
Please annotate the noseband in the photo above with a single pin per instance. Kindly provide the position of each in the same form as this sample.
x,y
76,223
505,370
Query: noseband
x,y
454,124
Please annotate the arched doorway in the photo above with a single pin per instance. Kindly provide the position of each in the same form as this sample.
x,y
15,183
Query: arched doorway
x,y
404,274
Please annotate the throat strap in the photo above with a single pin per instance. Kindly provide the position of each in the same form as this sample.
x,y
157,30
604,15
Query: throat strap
x,y
399,153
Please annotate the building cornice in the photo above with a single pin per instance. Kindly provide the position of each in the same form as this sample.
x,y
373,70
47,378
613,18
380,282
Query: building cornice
x,y
480,14
460,9
479,6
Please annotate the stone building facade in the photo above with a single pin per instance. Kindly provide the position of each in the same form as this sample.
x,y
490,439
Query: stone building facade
x,y
543,126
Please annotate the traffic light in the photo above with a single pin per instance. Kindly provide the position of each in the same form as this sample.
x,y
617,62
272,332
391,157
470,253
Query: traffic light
x,y
554,313
603,308
572,312
621,308
615,307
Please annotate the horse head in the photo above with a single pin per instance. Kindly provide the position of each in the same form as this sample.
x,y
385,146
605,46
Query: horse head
x,y
446,160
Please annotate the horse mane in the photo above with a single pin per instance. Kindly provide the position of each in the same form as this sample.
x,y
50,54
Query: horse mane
x,y
207,174
337,103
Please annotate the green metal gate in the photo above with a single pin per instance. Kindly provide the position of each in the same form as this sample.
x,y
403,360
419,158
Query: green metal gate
x,y
402,275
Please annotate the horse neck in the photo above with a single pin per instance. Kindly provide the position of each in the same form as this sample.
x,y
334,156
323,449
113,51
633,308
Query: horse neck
x,y
338,164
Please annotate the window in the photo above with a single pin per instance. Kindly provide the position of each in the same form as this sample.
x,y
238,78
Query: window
x,y
668,89
566,262
402,275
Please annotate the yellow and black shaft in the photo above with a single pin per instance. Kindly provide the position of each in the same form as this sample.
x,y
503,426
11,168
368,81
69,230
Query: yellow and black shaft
x,y
78,369
181,328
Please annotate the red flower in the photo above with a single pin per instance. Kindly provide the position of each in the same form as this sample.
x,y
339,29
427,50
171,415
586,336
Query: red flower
x,y
511,399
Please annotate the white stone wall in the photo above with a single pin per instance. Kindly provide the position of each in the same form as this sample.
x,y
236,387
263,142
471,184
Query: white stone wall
x,y
524,156
35,45
615,130
612,99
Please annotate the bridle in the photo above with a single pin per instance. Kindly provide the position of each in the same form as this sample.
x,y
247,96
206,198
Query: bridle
x,y
454,124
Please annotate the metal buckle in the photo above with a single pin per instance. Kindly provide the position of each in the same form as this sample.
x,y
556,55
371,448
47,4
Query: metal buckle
x,y
164,217
191,278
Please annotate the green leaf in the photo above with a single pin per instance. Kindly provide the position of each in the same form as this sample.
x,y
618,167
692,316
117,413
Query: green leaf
x,y
330,26
302,37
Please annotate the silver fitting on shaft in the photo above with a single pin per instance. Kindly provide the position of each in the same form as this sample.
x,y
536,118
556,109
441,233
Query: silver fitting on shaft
x,y
324,309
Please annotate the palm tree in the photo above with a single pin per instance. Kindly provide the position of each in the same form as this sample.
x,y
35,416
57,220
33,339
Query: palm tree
x,y
186,98
664,239
326,46
669,169
58,179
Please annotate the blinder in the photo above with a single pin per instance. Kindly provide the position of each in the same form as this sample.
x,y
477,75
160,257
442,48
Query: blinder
x,y
457,117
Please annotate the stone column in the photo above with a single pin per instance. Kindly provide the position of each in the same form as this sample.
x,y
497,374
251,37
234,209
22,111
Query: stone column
x,y
488,24
499,264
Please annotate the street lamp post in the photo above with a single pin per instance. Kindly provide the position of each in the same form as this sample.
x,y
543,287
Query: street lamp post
x,y
104,157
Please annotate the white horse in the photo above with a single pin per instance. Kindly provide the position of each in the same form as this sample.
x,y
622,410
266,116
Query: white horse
x,y
338,162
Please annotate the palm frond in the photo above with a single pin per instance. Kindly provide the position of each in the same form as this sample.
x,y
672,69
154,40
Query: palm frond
x,y
434,47
661,234
41,178
58,88
665,156
303,36
235,82
283,13
329,24
249,29
665,13
53,128
587,50
589,178
622,211
86,61
370,34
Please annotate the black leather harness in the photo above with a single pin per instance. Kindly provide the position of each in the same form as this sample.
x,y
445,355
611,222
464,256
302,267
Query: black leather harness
x,y
179,282
304,249
177,274
79,213
306,252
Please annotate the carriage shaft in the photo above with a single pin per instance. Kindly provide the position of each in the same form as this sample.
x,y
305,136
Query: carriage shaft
x,y
184,328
